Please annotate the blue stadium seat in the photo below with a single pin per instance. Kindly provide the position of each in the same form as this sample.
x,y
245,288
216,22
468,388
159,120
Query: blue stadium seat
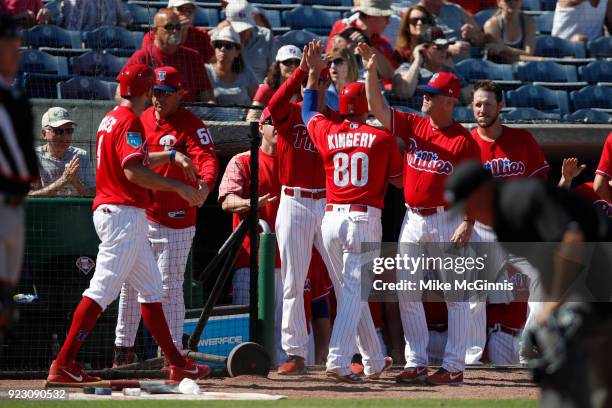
x,y
86,88
533,5
302,17
299,38
474,69
555,47
51,36
546,71
596,71
273,16
600,47
483,15
589,116
544,22
34,61
113,37
548,5
324,2
40,85
463,114
538,97
97,64
142,15
54,8
206,17
527,114
592,96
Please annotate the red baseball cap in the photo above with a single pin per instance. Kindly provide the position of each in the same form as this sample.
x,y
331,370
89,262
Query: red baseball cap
x,y
443,83
167,79
266,117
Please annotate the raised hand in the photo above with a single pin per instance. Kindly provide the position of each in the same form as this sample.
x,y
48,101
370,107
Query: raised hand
x,y
570,169
314,56
367,56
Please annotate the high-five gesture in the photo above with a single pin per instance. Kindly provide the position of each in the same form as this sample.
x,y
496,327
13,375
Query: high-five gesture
x,y
314,57
368,58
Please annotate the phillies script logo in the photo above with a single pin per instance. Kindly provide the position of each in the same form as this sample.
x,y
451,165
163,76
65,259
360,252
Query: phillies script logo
x,y
503,167
427,161
301,140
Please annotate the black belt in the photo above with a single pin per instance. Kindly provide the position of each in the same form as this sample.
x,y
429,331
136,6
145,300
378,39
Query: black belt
x,y
13,200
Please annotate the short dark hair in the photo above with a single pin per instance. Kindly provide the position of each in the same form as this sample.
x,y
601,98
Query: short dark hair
x,y
489,86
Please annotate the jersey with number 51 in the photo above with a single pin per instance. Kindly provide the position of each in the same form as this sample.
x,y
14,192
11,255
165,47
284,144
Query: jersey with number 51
x,y
184,132
358,160
120,139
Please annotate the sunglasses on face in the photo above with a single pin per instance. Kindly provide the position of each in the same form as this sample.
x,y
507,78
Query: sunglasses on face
x,y
61,132
186,9
336,62
291,63
172,27
224,44
414,20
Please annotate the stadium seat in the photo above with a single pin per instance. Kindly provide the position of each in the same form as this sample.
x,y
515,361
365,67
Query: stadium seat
x,y
596,71
548,5
592,96
38,85
463,114
533,5
600,47
555,47
54,8
299,38
538,97
527,114
326,3
474,69
206,17
589,116
143,16
51,36
34,61
86,88
544,22
273,1
546,71
113,37
273,16
302,17
97,64
483,15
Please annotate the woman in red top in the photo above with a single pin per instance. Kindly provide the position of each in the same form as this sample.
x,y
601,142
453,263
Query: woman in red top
x,y
414,23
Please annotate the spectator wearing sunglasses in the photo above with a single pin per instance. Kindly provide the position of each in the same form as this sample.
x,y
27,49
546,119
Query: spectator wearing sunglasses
x,y
191,37
287,60
65,170
343,69
167,51
234,83
430,56
416,20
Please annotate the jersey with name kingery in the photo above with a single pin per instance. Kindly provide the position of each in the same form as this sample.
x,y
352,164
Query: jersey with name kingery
x,y
514,154
431,156
120,139
358,160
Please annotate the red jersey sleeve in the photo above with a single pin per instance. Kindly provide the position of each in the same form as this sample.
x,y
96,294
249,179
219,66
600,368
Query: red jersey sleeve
x,y
401,122
132,143
264,94
317,128
279,105
201,150
396,161
605,164
233,180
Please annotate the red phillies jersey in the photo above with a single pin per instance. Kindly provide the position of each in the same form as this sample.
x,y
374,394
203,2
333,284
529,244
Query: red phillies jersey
x,y
197,39
187,61
515,154
236,180
302,164
586,190
120,139
511,315
431,156
605,163
358,160
187,134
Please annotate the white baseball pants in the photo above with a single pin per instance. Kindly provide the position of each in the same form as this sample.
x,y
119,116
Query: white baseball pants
x,y
171,250
343,233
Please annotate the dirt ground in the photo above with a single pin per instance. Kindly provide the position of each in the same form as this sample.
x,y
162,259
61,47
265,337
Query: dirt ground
x,y
487,383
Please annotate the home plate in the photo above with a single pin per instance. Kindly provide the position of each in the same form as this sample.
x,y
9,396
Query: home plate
x,y
185,397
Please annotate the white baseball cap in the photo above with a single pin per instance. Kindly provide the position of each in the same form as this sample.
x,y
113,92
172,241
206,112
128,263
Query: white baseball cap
x,y
226,34
240,14
179,3
56,117
287,52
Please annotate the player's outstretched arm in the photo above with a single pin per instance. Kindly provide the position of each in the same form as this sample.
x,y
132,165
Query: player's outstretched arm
x,y
315,64
136,173
601,185
376,103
